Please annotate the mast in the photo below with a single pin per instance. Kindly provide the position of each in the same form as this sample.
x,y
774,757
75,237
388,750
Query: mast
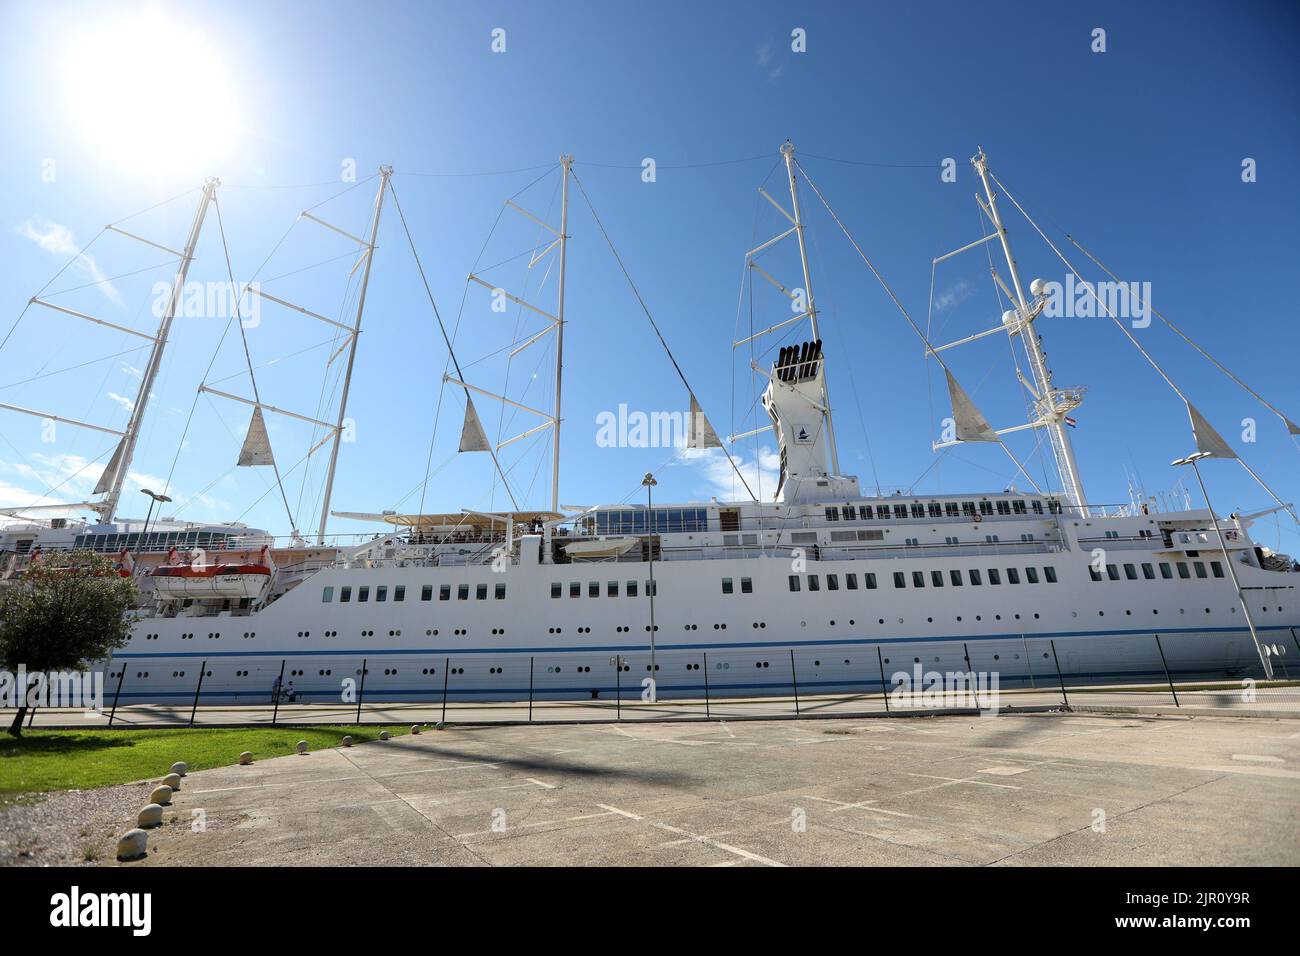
x,y
384,173
566,162
120,463
787,151
1051,404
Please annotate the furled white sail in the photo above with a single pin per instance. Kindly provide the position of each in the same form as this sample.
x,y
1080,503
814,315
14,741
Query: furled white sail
x,y
257,444
472,437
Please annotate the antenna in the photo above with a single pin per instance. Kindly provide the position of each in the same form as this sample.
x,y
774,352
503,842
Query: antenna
x,y
1052,404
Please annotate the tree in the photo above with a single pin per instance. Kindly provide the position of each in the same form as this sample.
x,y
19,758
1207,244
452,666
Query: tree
x,y
66,611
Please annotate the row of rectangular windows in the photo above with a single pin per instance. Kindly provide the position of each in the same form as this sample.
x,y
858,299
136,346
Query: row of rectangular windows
x,y
935,509
426,593
630,588
1149,571
955,577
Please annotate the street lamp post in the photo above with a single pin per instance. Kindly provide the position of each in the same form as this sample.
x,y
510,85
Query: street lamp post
x,y
153,500
649,482
1232,570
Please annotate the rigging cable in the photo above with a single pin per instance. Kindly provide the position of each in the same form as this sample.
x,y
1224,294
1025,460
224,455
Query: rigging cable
x,y
653,325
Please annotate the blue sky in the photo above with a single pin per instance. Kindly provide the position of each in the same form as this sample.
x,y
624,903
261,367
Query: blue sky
x,y
1136,151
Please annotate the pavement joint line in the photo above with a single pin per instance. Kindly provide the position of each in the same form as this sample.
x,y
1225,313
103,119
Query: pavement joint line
x,y
725,847
544,786
437,826
1109,818
535,823
953,781
863,805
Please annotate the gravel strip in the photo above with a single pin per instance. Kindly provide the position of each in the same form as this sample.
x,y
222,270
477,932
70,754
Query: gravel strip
x,y
69,827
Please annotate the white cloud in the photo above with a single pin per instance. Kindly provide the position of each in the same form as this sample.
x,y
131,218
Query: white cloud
x,y
122,400
58,241
953,295
761,473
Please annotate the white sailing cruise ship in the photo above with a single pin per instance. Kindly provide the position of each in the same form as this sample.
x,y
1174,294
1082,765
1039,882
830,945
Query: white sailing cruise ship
x,y
822,581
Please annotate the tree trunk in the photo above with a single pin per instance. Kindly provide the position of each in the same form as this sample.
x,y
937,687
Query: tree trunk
x,y
16,728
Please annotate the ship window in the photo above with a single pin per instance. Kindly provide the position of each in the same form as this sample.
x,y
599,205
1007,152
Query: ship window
x,y
499,592
968,508
918,510
851,582
1200,568
1112,572
986,507
900,579
1182,570
1013,576
936,578
444,592
345,595
832,582
1018,507
575,589
746,585
849,512
399,593
327,595
480,592
1217,568
426,592
363,594
955,576
866,512
1004,507
557,590
1094,573
1148,571
900,511
593,589
462,592
870,579
832,514
813,583
381,593
918,579
726,586
994,576
652,588
1130,572
935,509
974,574
1031,575
611,589
1050,573
630,589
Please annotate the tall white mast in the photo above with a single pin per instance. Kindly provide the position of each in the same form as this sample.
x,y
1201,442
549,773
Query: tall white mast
x,y
384,173
1052,404
566,162
120,463
787,151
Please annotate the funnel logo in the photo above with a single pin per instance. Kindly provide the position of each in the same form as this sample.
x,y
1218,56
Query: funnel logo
x,y
802,435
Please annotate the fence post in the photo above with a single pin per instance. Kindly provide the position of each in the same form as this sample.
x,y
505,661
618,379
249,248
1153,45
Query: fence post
x,y
618,686
970,676
1065,699
361,691
1165,664
530,690
884,690
121,676
794,679
279,689
198,690
446,672
707,712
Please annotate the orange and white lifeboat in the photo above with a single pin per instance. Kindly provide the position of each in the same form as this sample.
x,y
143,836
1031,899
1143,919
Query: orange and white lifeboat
x,y
178,581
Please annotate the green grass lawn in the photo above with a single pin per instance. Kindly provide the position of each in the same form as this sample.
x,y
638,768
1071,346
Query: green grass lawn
x,y
81,759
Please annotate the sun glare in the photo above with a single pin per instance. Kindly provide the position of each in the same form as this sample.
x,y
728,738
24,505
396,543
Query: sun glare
x,y
152,94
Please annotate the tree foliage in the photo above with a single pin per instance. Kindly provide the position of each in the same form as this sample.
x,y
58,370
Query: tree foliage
x,y
66,611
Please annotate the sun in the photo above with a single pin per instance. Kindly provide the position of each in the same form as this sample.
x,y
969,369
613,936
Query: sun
x,y
151,94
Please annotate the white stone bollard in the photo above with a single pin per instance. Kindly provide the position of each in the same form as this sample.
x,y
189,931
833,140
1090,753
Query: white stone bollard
x,y
149,817
162,795
347,741
181,768
415,728
172,780
302,746
384,735
245,758
133,845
